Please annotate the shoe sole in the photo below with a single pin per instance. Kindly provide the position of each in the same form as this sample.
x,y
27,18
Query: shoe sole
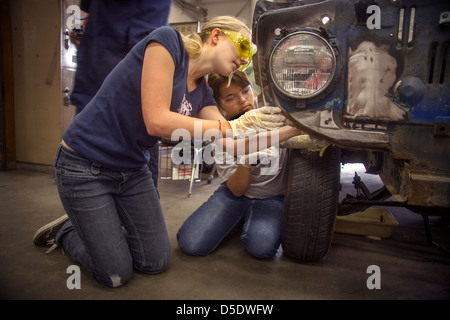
x,y
41,236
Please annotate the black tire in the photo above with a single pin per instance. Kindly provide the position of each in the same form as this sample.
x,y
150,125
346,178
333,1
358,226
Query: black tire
x,y
310,204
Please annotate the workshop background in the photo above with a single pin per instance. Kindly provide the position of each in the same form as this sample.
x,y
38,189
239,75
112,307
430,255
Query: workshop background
x,y
36,77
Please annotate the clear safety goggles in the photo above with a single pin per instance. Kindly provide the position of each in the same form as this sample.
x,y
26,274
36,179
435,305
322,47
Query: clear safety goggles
x,y
235,98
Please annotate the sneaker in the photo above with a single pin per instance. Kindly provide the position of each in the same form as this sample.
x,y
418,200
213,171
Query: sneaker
x,y
46,235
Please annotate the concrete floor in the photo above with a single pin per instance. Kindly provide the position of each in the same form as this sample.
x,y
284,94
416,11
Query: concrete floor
x,y
409,267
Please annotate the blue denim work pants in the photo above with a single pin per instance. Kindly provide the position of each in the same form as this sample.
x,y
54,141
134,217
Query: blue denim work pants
x,y
116,221
205,229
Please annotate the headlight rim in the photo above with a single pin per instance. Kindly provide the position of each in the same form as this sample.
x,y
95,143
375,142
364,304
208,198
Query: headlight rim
x,y
324,87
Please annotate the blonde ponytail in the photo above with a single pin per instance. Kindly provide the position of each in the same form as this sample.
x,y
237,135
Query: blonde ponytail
x,y
194,42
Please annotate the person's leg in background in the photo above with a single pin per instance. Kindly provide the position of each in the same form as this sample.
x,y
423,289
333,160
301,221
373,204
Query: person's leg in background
x,y
153,164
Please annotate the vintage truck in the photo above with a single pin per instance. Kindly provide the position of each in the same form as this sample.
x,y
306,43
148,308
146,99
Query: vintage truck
x,y
369,81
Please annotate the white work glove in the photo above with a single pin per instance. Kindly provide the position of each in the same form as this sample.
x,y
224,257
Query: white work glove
x,y
305,141
264,156
261,118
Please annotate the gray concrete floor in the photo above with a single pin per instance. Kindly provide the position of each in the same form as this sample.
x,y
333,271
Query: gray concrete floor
x,y
409,267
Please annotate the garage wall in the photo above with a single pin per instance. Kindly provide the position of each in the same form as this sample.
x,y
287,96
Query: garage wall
x,y
238,8
35,27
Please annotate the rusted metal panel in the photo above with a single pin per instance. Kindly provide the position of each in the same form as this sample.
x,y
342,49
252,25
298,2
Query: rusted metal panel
x,y
429,191
390,91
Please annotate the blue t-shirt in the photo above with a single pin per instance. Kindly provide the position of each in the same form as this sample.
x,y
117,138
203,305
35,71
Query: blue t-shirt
x,y
110,131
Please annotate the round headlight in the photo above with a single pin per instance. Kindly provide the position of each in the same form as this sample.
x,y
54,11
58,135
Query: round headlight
x,y
302,65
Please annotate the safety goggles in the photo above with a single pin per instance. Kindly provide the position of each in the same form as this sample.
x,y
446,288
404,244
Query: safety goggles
x,y
243,45
235,98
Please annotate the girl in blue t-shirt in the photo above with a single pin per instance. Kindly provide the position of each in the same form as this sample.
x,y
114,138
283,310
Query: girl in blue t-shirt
x,y
114,220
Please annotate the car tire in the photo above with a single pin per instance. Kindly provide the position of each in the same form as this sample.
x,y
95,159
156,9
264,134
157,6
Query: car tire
x,y
311,203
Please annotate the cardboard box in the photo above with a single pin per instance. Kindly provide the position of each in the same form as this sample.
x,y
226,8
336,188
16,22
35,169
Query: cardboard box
x,y
374,222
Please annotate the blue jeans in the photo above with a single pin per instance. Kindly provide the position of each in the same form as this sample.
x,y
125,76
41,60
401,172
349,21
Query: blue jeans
x,y
116,221
205,229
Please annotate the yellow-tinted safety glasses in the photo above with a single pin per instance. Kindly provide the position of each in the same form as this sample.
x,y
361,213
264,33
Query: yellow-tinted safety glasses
x,y
243,45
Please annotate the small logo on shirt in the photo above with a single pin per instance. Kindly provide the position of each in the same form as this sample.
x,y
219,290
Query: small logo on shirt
x,y
185,107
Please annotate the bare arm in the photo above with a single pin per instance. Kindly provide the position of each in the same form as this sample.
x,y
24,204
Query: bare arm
x,y
156,94
240,181
262,140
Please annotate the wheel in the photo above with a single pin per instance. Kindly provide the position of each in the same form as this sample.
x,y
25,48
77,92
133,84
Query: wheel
x,y
310,204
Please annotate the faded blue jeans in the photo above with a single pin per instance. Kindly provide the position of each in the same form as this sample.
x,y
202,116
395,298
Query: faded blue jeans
x,y
205,229
116,221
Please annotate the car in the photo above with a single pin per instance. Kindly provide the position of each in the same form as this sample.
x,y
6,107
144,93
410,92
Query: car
x,y
368,82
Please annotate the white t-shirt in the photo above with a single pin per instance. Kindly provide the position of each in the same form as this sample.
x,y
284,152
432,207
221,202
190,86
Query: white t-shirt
x,y
268,180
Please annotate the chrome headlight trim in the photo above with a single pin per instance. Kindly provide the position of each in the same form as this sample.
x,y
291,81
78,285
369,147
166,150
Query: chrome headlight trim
x,y
295,91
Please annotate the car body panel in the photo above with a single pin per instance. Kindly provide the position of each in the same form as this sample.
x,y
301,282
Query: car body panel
x,y
390,92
